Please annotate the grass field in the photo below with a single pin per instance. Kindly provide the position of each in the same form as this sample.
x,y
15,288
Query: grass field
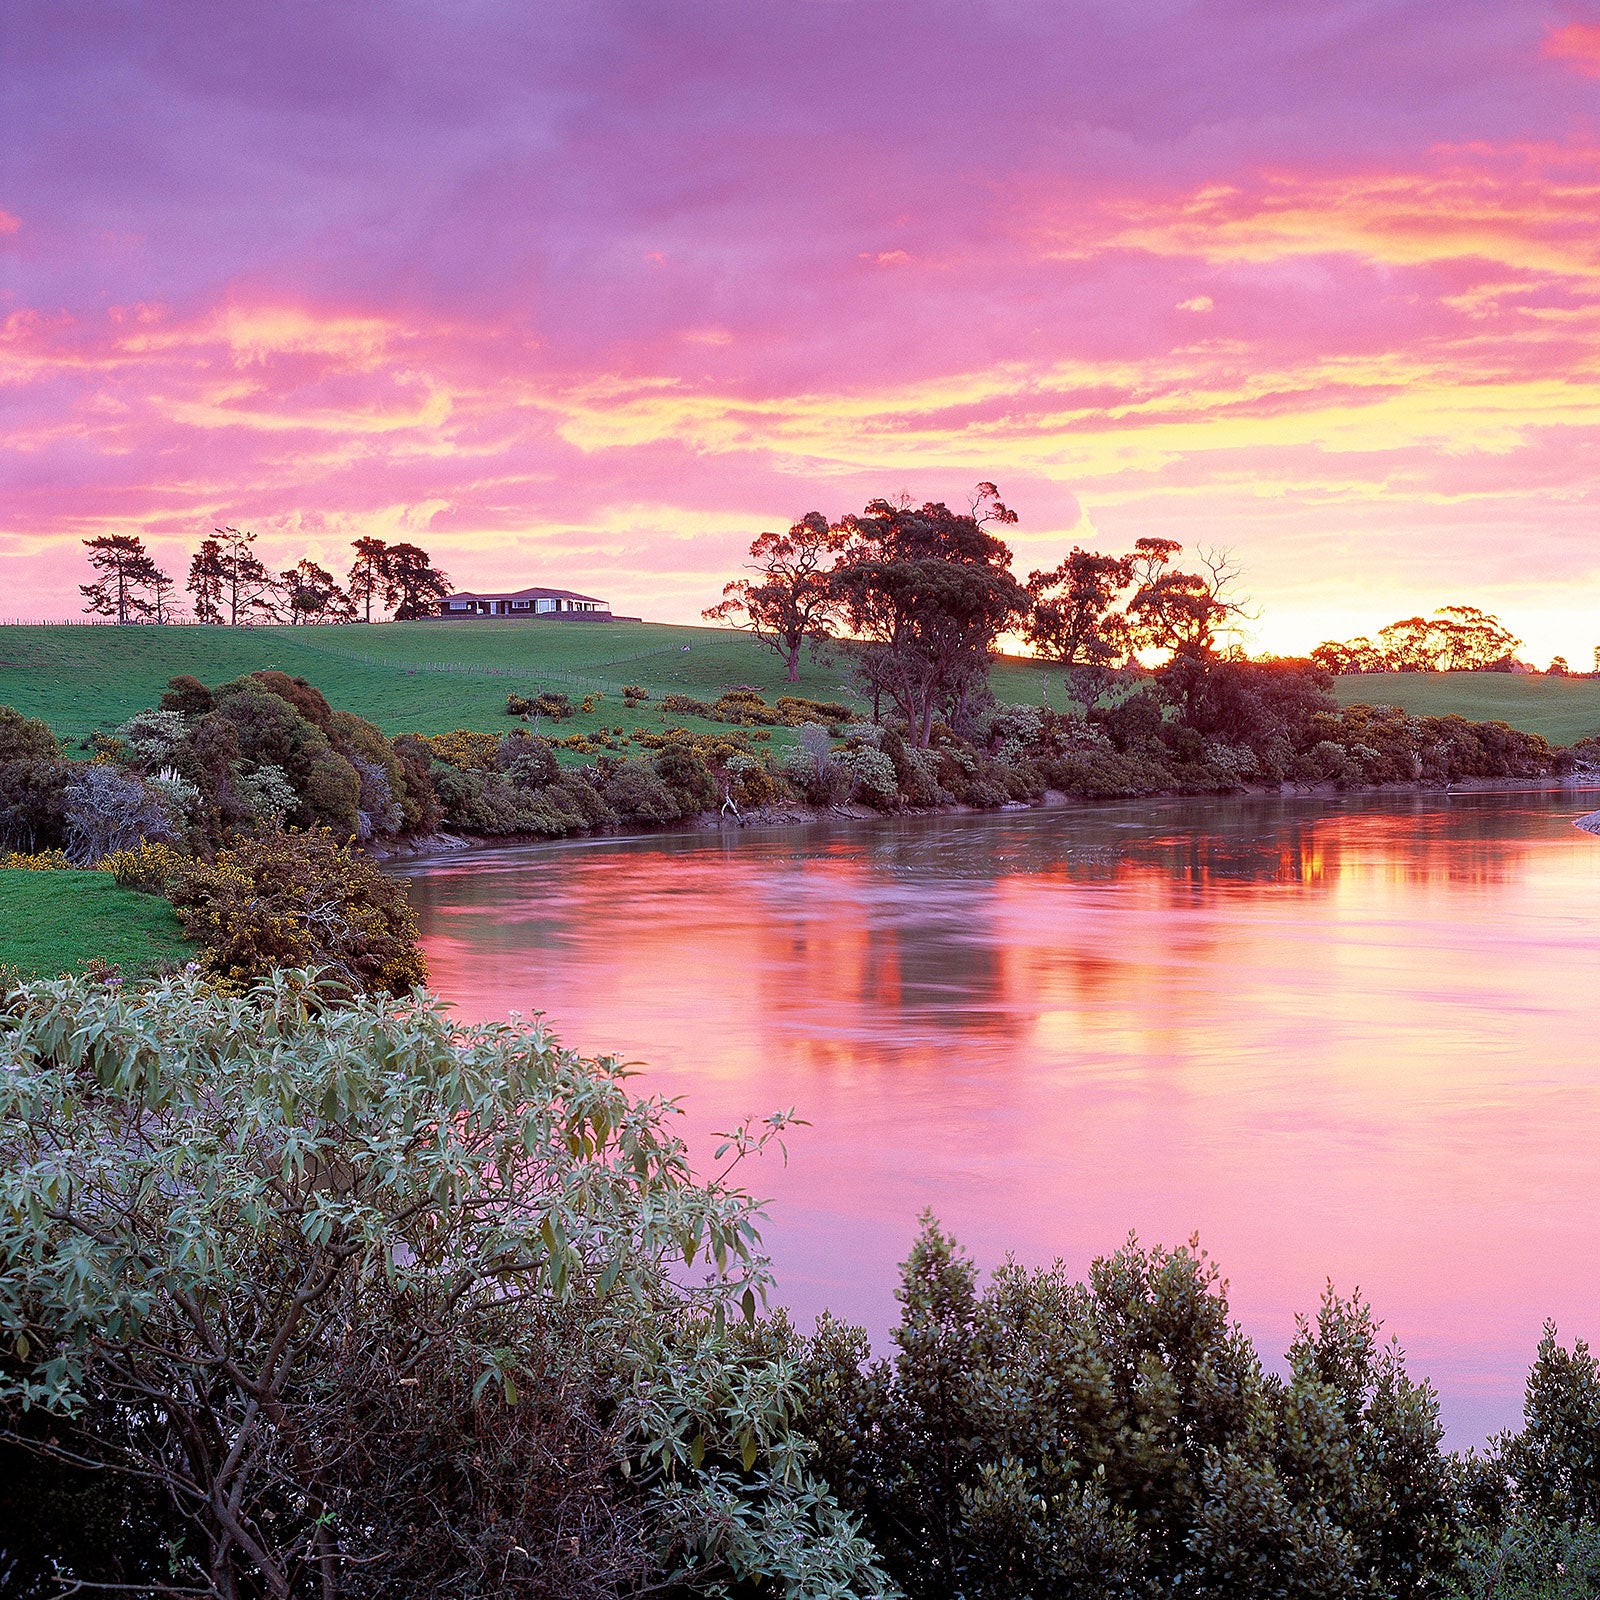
x,y
424,677
52,922
408,677
1562,709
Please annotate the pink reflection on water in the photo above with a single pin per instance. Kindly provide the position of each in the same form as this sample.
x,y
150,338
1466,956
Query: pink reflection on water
x,y
1338,1039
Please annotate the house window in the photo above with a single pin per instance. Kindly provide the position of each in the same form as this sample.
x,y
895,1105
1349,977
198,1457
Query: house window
x,y
519,605
460,605
544,605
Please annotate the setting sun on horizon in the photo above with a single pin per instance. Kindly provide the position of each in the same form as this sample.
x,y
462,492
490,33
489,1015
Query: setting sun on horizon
x,y
592,295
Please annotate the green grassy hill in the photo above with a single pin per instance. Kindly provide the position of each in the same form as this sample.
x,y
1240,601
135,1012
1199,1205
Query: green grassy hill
x,y
1562,709
52,922
408,677
428,677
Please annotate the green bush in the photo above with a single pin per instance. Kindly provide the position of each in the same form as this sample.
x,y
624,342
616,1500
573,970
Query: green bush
x,y
633,789
362,1302
300,900
1118,1437
547,703
683,769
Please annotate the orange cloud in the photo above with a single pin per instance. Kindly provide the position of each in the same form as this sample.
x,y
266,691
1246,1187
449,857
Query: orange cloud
x,y
1578,44
1530,208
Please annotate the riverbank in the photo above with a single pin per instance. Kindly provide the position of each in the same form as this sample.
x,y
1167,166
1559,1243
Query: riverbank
x,y
791,814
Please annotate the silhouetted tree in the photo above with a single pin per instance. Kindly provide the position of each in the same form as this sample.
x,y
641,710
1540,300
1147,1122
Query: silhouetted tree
x,y
1076,621
1186,614
793,601
205,581
412,584
368,577
125,569
1453,639
928,591
310,593
227,579
159,586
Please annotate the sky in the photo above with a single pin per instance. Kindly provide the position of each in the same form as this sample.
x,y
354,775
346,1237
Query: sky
x,y
591,294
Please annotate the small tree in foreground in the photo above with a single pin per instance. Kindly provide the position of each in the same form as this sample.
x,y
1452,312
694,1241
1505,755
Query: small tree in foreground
x,y
363,1302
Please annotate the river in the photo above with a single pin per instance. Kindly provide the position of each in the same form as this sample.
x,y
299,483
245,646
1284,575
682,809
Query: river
x,y
1350,1038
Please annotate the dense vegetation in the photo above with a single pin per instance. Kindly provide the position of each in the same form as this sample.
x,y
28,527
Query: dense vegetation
x,y
307,1290
245,802
352,1301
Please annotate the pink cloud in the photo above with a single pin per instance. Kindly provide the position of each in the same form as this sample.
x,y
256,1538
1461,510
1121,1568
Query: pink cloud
x,y
1578,44
607,301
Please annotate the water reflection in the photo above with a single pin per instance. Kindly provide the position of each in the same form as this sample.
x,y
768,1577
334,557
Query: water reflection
x,y
1350,1039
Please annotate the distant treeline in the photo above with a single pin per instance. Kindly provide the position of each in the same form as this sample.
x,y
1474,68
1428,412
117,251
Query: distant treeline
x,y
228,583
1453,639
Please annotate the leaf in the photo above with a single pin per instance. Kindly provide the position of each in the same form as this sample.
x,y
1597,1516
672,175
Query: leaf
x,y
748,1454
697,1450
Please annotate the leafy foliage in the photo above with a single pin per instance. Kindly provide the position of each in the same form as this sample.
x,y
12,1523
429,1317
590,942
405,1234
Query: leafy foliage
x,y
1119,1438
383,1306
300,900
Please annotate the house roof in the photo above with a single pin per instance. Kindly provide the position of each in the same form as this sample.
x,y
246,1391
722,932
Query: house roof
x,y
524,594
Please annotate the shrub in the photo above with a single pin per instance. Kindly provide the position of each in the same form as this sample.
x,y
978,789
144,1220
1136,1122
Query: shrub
x,y
25,738
451,1250
1105,775
797,710
463,748
1118,1437
107,810
749,781
477,801
682,767
633,695
300,900
682,705
33,781
329,794
153,736
187,696
528,761
149,868
547,703
180,799
420,811
633,789
38,861
308,702
872,775
267,794
267,728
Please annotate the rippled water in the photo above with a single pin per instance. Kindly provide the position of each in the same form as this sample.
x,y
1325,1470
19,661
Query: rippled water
x,y
1351,1039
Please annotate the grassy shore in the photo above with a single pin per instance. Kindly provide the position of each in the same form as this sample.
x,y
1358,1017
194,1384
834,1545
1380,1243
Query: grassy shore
x,y
53,922
427,677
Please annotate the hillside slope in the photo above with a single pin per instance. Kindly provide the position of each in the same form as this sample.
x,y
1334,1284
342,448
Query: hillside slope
x,y
1562,709
426,677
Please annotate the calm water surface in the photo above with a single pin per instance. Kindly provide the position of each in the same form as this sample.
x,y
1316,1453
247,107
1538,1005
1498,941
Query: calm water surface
x,y
1351,1039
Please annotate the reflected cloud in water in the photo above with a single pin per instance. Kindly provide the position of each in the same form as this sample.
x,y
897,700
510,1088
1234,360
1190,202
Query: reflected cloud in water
x,y
1349,1038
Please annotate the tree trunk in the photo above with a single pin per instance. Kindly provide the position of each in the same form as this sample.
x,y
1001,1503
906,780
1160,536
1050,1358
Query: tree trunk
x,y
792,661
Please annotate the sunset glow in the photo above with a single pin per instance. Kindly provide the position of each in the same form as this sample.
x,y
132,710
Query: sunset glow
x,y
590,294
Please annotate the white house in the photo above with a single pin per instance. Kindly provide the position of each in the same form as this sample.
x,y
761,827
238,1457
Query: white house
x,y
532,605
